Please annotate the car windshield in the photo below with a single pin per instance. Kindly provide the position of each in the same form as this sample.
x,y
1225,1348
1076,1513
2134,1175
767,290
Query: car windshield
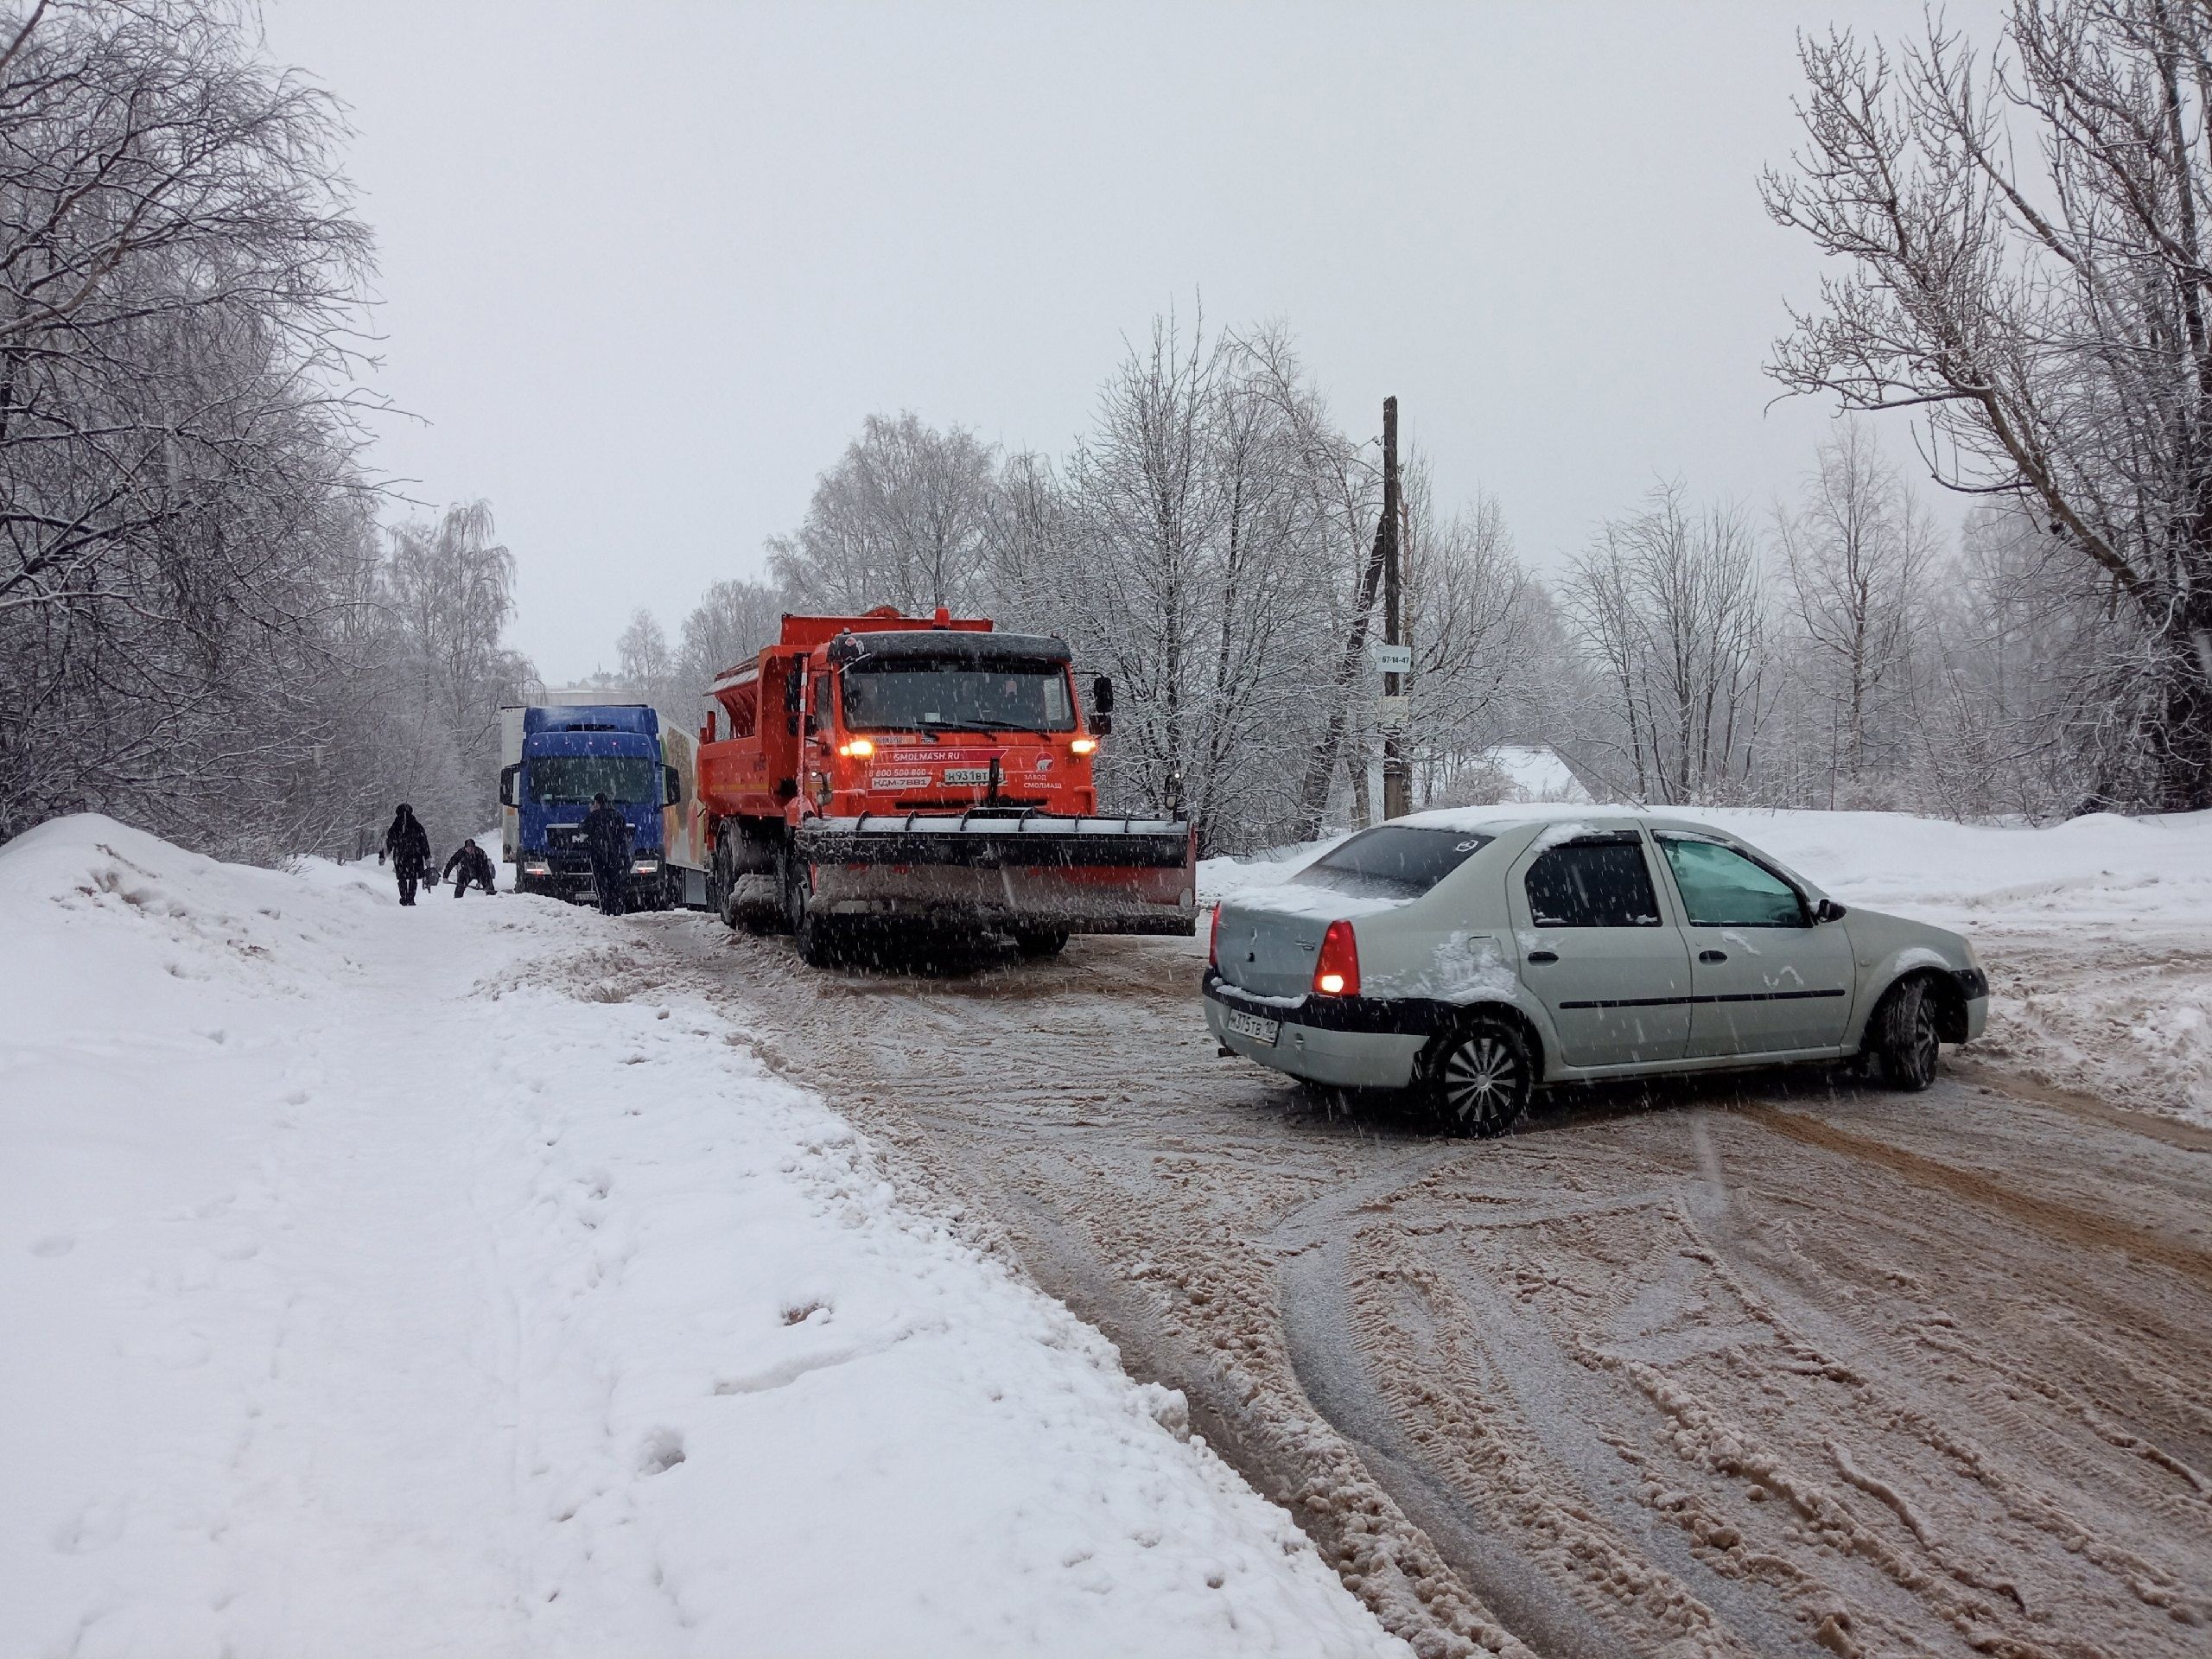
x,y
927,697
1392,862
573,779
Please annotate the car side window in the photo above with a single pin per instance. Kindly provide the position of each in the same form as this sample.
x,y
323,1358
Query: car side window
x,y
1720,887
1594,881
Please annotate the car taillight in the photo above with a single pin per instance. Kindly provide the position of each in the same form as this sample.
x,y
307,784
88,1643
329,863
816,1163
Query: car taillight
x,y
1213,940
1336,972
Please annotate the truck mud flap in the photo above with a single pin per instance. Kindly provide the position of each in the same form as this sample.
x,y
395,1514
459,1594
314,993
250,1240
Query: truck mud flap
x,y
1086,875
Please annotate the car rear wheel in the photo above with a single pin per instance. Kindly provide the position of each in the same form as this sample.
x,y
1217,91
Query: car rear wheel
x,y
1903,1038
1483,1077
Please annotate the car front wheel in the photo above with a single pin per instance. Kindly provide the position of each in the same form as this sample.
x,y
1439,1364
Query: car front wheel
x,y
1483,1077
1903,1037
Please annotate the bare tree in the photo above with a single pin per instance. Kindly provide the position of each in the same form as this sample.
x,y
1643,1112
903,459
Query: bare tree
x,y
450,590
179,515
902,519
1342,486
2028,269
1668,603
1469,619
2025,707
728,626
1856,552
651,668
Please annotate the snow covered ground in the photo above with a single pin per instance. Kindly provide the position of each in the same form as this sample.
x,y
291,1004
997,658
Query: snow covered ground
x,y
379,1282
2097,930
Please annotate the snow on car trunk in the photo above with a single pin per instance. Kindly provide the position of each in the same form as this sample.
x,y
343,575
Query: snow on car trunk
x,y
414,1282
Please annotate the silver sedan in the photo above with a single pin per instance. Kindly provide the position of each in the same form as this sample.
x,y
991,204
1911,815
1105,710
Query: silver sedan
x,y
1472,955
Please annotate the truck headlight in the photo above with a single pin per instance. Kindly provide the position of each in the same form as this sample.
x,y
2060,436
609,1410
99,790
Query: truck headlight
x,y
536,866
645,866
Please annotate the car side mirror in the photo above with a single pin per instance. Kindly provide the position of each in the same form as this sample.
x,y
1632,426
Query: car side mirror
x,y
671,793
1828,911
507,785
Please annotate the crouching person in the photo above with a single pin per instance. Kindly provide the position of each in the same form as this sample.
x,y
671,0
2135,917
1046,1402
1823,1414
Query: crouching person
x,y
470,866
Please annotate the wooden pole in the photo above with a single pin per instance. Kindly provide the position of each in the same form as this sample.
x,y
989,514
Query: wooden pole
x,y
1397,785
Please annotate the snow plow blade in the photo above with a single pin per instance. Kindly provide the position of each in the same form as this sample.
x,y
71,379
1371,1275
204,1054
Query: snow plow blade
x,y
1085,875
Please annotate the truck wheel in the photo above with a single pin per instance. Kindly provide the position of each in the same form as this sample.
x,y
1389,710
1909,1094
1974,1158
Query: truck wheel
x,y
811,931
1903,1036
1482,1076
1041,941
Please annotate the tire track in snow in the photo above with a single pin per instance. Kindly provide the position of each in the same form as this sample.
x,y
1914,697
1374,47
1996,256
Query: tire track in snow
x,y
2063,1222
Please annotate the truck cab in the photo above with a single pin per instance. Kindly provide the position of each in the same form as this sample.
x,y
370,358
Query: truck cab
x,y
887,771
567,755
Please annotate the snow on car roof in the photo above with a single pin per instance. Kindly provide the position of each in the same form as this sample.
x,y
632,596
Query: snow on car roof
x,y
1509,814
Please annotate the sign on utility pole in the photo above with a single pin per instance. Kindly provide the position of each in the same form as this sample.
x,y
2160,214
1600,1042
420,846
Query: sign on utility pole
x,y
1397,780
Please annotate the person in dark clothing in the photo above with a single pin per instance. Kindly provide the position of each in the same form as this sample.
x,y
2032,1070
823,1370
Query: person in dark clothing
x,y
607,842
475,865
407,844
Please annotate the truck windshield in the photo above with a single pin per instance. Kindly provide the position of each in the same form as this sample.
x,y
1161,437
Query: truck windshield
x,y
925,697
1392,862
573,779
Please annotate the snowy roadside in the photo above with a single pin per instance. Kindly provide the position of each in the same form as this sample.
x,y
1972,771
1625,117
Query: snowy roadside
x,y
2097,930
386,1282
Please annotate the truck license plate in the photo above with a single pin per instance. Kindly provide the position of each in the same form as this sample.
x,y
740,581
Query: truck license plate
x,y
1252,1026
967,774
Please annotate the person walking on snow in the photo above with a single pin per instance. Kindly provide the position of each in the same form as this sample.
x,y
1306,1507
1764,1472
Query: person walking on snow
x,y
407,844
476,867
606,842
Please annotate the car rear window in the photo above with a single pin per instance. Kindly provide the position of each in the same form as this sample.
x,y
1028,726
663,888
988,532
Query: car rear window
x,y
1393,862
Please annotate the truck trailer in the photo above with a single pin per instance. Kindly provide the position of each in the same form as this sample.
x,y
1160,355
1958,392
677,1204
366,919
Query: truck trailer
x,y
896,774
554,757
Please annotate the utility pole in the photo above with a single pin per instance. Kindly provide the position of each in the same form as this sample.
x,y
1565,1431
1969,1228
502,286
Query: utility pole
x,y
1397,781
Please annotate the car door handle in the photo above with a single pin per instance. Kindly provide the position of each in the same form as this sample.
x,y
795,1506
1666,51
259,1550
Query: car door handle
x,y
1543,956
1712,955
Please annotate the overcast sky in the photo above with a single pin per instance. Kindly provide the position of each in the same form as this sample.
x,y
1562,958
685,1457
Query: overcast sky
x,y
645,267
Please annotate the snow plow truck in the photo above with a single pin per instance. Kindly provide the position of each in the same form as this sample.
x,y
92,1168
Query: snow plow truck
x,y
886,775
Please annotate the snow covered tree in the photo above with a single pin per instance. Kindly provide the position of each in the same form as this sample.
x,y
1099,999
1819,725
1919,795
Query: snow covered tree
x,y
2027,268
181,519
1670,607
1856,555
901,519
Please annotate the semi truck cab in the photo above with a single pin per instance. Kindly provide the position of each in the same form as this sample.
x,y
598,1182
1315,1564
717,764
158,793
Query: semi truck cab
x,y
567,755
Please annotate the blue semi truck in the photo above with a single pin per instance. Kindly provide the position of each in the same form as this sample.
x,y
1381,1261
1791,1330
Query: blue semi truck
x,y
554,757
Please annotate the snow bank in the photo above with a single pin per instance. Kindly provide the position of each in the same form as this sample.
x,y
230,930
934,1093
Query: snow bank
x,y
411,1281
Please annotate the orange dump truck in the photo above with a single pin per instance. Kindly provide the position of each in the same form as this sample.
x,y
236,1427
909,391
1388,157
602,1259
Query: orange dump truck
x,y
898,773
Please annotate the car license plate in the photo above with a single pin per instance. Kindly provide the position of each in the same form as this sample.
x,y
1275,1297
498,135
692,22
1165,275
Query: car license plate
x,y
967,774
1252,1026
